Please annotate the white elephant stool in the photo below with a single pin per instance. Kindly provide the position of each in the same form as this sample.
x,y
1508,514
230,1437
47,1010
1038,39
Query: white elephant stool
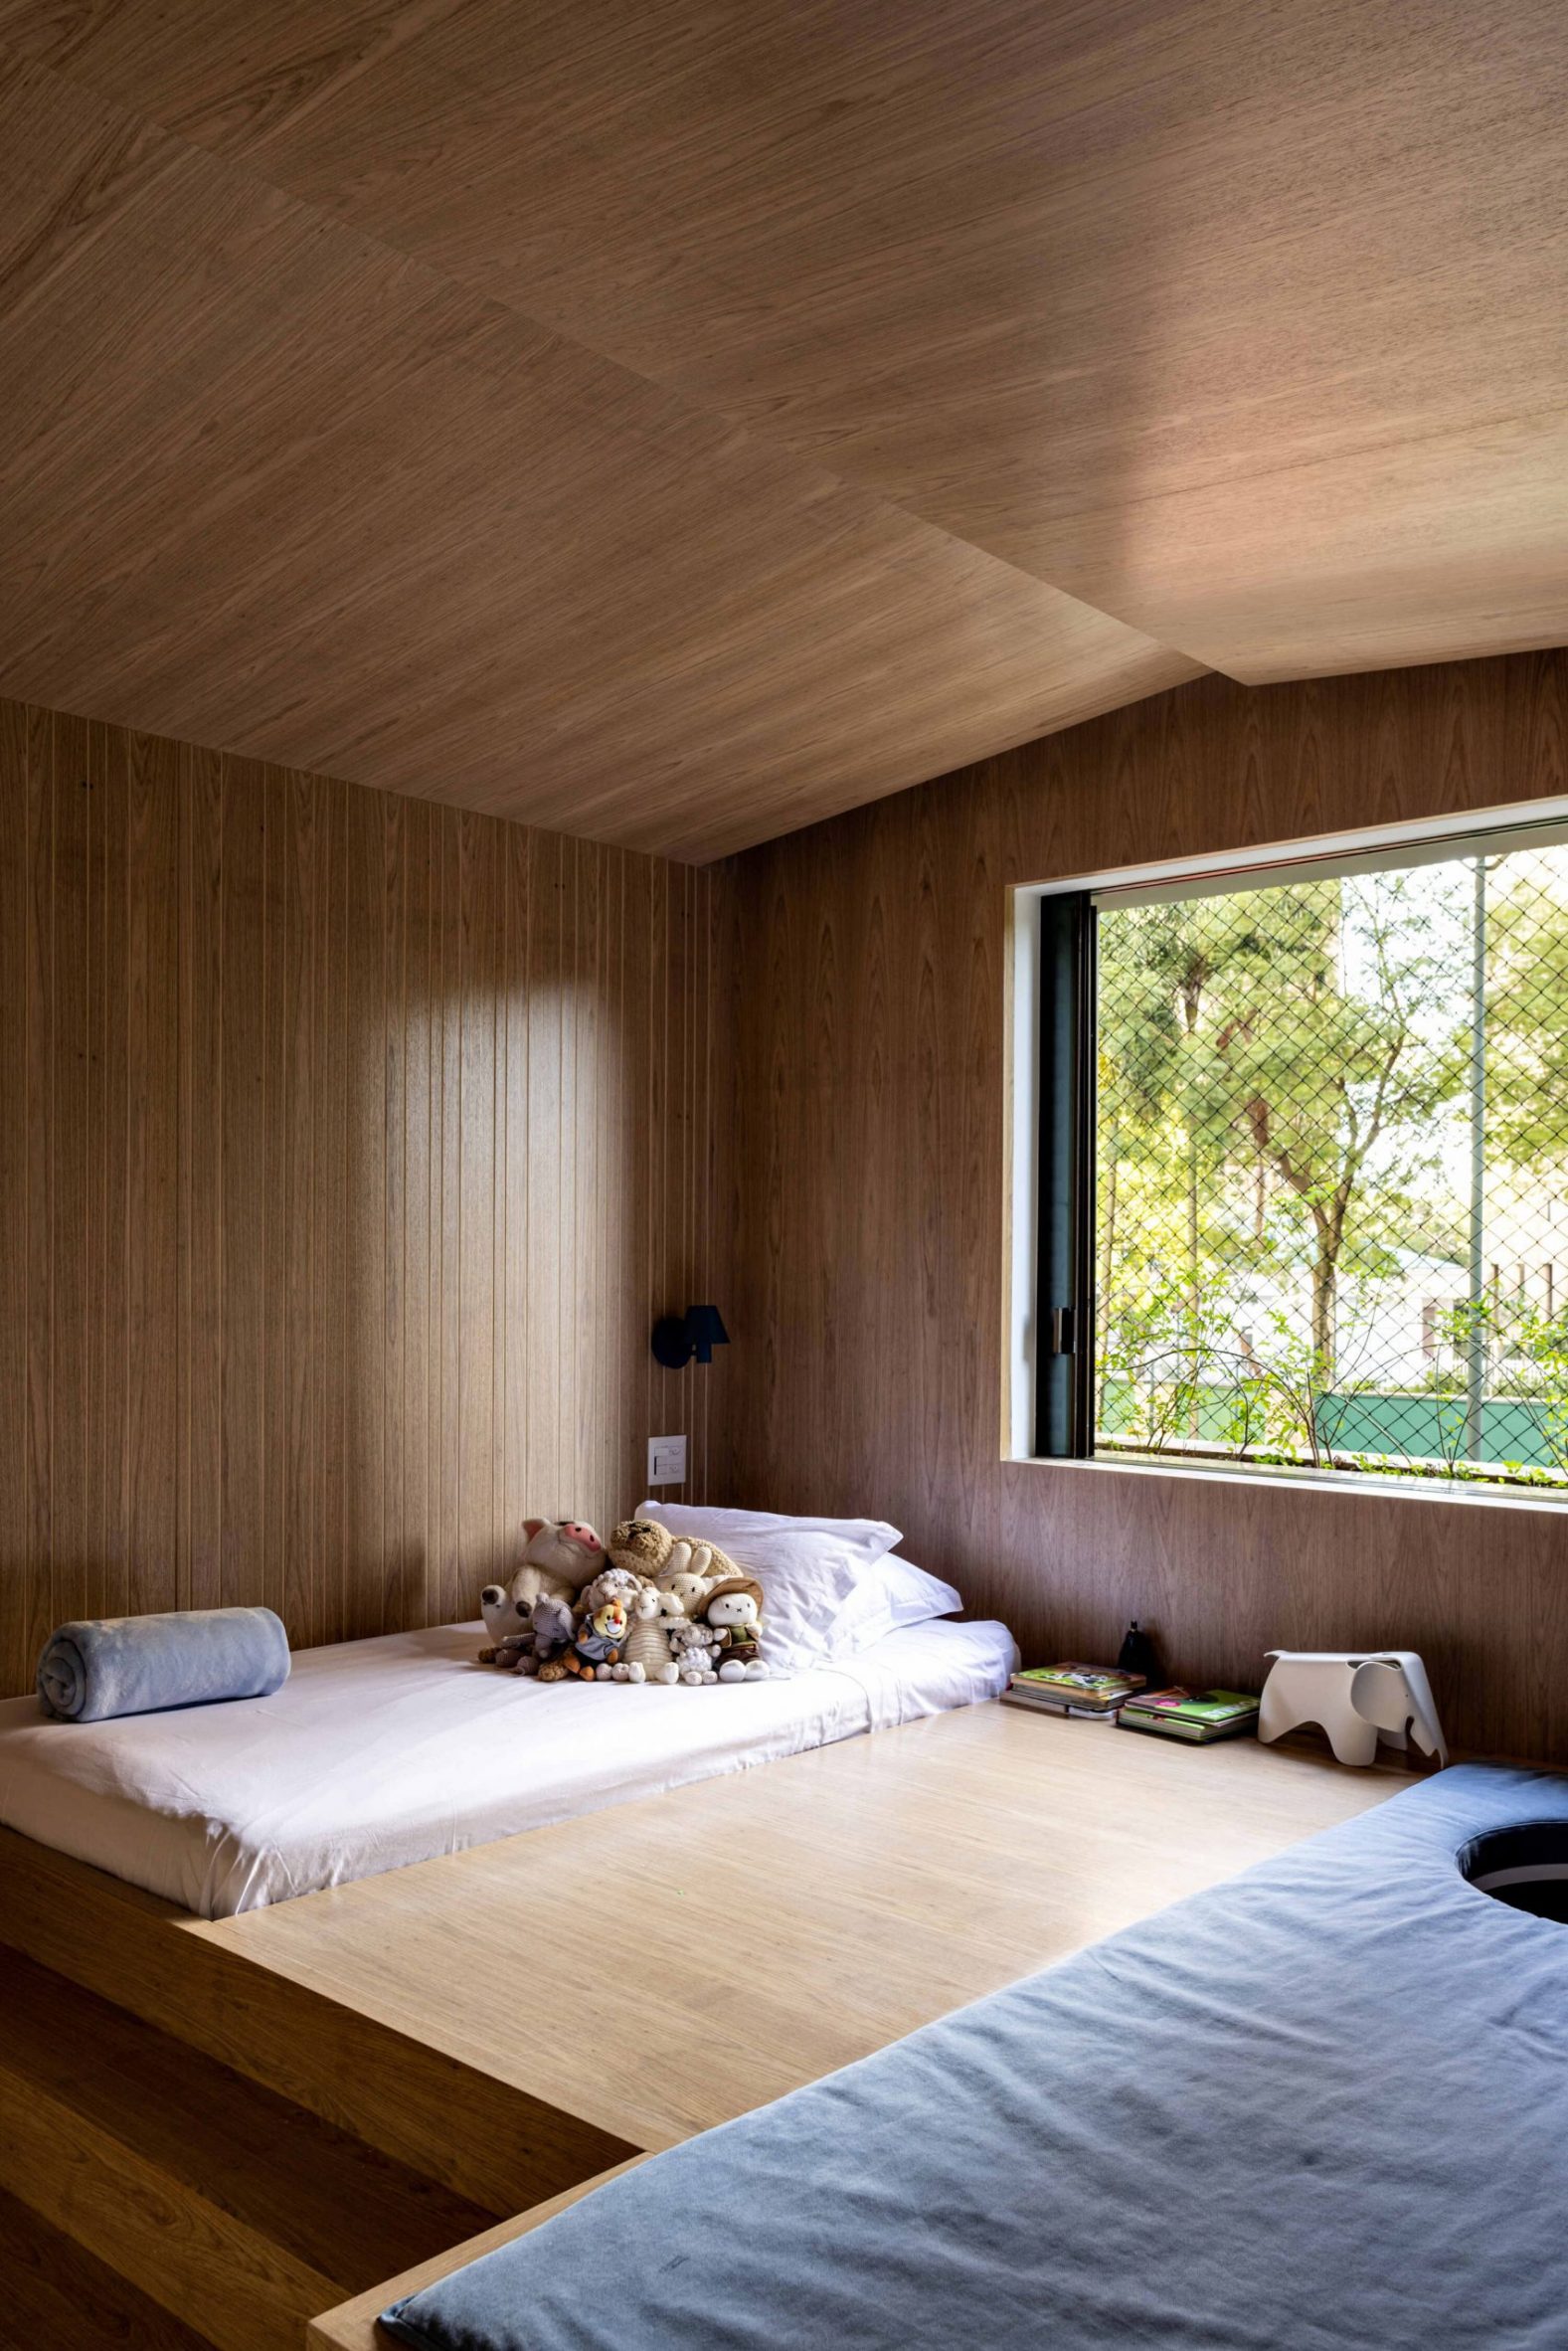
x,y
1357,1696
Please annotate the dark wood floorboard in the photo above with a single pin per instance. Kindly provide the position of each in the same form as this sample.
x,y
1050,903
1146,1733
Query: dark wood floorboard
x,y
55,2296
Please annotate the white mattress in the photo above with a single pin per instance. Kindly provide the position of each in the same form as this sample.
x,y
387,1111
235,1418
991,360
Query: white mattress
x,y
377,1753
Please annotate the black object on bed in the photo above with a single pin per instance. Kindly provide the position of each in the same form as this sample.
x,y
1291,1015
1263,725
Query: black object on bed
x,y
1319,2107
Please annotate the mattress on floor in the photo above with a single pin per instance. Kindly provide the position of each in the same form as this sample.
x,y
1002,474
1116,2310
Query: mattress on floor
x,y
1321,2106
381,1752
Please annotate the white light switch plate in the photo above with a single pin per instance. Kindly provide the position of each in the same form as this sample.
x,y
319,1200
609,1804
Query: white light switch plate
x,y
666,1461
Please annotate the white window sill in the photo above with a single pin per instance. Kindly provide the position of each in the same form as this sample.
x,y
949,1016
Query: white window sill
x,y
1367,1485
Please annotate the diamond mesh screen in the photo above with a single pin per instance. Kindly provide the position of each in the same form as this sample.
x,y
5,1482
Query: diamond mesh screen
x,y
1332,1169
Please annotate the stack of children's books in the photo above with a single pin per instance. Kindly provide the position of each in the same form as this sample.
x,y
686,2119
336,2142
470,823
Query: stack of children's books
x,y
1093,1693
1197,1715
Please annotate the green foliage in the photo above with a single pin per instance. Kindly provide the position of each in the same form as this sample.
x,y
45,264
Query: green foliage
x,y
1527,1026
1543,1341
1276,1067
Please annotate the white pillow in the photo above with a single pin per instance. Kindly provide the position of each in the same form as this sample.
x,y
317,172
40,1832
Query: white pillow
x,y
871,1538
807,1568
895,1592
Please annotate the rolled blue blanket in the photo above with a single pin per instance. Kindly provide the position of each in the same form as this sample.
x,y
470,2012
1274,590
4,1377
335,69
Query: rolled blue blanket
x,y
139,1665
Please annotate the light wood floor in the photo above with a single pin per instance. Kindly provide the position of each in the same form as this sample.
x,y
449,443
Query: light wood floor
x,y
855,1891
478,2002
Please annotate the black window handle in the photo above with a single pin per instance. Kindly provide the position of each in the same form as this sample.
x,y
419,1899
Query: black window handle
x,y
1061,1331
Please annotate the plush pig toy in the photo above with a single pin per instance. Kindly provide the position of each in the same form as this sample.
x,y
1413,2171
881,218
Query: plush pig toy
x,y
560,1556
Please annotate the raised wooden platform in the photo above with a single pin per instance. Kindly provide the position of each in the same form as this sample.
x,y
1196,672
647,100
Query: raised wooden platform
x,y
445,2019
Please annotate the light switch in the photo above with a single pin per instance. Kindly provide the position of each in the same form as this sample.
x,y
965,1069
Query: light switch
x,y
666,1461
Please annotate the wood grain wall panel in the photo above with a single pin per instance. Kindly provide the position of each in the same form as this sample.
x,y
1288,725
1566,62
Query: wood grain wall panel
x,y
244,1281
862,1183
71,910
14,1153
38,1306
349,1144
151,1220
199,1358
302,1387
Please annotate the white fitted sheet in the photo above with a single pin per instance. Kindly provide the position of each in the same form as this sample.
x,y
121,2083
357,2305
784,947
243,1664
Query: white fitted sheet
x,y
377,1753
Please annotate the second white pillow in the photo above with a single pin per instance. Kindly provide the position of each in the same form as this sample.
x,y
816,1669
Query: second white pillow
x,y
894,1593
807,1568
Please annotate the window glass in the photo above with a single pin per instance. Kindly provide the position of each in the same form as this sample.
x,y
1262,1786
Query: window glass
x,y
1331,1183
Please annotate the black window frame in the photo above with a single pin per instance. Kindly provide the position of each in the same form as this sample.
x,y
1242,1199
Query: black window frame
x,y
1060,1301
1064,1316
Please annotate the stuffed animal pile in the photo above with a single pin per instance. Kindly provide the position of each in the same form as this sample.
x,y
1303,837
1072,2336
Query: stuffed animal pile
x,y
662,1610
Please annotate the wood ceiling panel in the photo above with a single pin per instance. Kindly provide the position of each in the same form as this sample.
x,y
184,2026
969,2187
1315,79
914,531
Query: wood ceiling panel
x,y
269,484
1246,322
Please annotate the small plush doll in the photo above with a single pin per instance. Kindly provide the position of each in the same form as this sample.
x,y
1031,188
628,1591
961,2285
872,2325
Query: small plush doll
x,y
688,1592
601,1622
559,1558
548,1635
733,1612
601,1637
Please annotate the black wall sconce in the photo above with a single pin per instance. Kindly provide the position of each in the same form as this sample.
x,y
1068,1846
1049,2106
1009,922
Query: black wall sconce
x,y
677,1337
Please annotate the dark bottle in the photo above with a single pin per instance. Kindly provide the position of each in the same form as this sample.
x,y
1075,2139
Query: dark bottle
x,y
1139,1656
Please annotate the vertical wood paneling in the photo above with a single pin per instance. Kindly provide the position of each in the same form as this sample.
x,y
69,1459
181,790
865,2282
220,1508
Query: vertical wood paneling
x,y
199,920
474,1323
546,1142
364,1263
414,1146
37,1304
863,1187
151,1218
515,1320
243,1077
302,865
329,1170
108,753
15,1040
449,1155
277,947
69,918
348,1145
394,1362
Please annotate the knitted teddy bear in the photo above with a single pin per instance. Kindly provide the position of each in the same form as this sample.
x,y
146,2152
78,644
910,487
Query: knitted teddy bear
x,y
559,1558
649,1550
733,1611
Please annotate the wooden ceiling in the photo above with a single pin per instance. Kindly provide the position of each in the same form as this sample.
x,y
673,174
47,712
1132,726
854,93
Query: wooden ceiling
x,y
678,423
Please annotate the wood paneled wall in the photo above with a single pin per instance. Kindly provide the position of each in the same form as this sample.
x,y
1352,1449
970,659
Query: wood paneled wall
x,y
863,1185
348,1145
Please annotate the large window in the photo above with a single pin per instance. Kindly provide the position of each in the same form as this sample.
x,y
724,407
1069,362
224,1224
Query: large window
x,y
1303,1172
